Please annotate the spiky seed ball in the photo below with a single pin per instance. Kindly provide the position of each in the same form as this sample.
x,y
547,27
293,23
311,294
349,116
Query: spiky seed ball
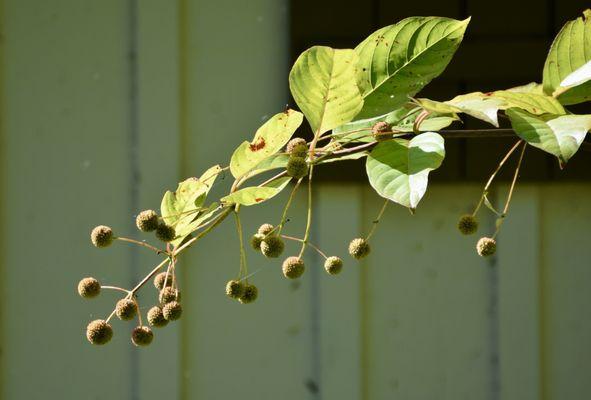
x,y
379,131
297,167
147,221
101,236
293,267
359,248
160,279
255,240
297,147
467,224
251,292
169,294
234,289
142,336
265,229
333,265
99,332
89,288
486,246
156,317
126,309
166,233
272,246
172,311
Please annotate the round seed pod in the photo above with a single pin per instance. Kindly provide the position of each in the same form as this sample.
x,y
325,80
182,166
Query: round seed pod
x,y
297,147
234,289
333,265
99,332
379,131
89,288
293,267
251,292
160,279
467,224
169,294
126,309
272,246
486,247
166,233
156,317
359,248
297,167
265,229
256,239
172,311
101,236
142,336
147,221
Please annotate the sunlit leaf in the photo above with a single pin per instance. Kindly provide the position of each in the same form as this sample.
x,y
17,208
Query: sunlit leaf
x,y
533,103
256,194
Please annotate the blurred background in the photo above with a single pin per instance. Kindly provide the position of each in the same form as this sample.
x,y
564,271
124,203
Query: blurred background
x,y
104,105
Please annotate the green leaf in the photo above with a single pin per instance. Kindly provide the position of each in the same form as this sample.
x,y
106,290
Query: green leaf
x,y
479,106
532,87
186,201
399,60
322,82
531,102
399,169
275,161
557,135
256,194
185,227
570,50
268,140
346,157
578,76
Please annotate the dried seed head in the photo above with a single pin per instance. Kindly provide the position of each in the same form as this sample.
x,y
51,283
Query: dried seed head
x,y
333,265
379,131
142,336
234,289
486,247
160,279
250,294
272,246
297,167
293,267
297,147
467,224
172,311
265,229
101,236
126,309
89,288
99,332
255,240
359,248
147,221
156,317
169,294
166,233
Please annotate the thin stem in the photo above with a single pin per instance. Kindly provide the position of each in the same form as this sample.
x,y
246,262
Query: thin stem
x,y
287,205
139,313
309,244
115,288
222,216
143,244
309,218
243,267
377,220
148,277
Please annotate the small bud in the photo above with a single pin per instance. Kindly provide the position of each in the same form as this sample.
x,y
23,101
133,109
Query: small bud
x,y
297,147
381,131
99,332
142,336
234,289
486,247
101,236
297,167
467,224
161,278
359,248
250,294
172,311
89,288
333,265
293,267
272,246
147,221
126,309
169,294
265,229
255,241
156,317
166,233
